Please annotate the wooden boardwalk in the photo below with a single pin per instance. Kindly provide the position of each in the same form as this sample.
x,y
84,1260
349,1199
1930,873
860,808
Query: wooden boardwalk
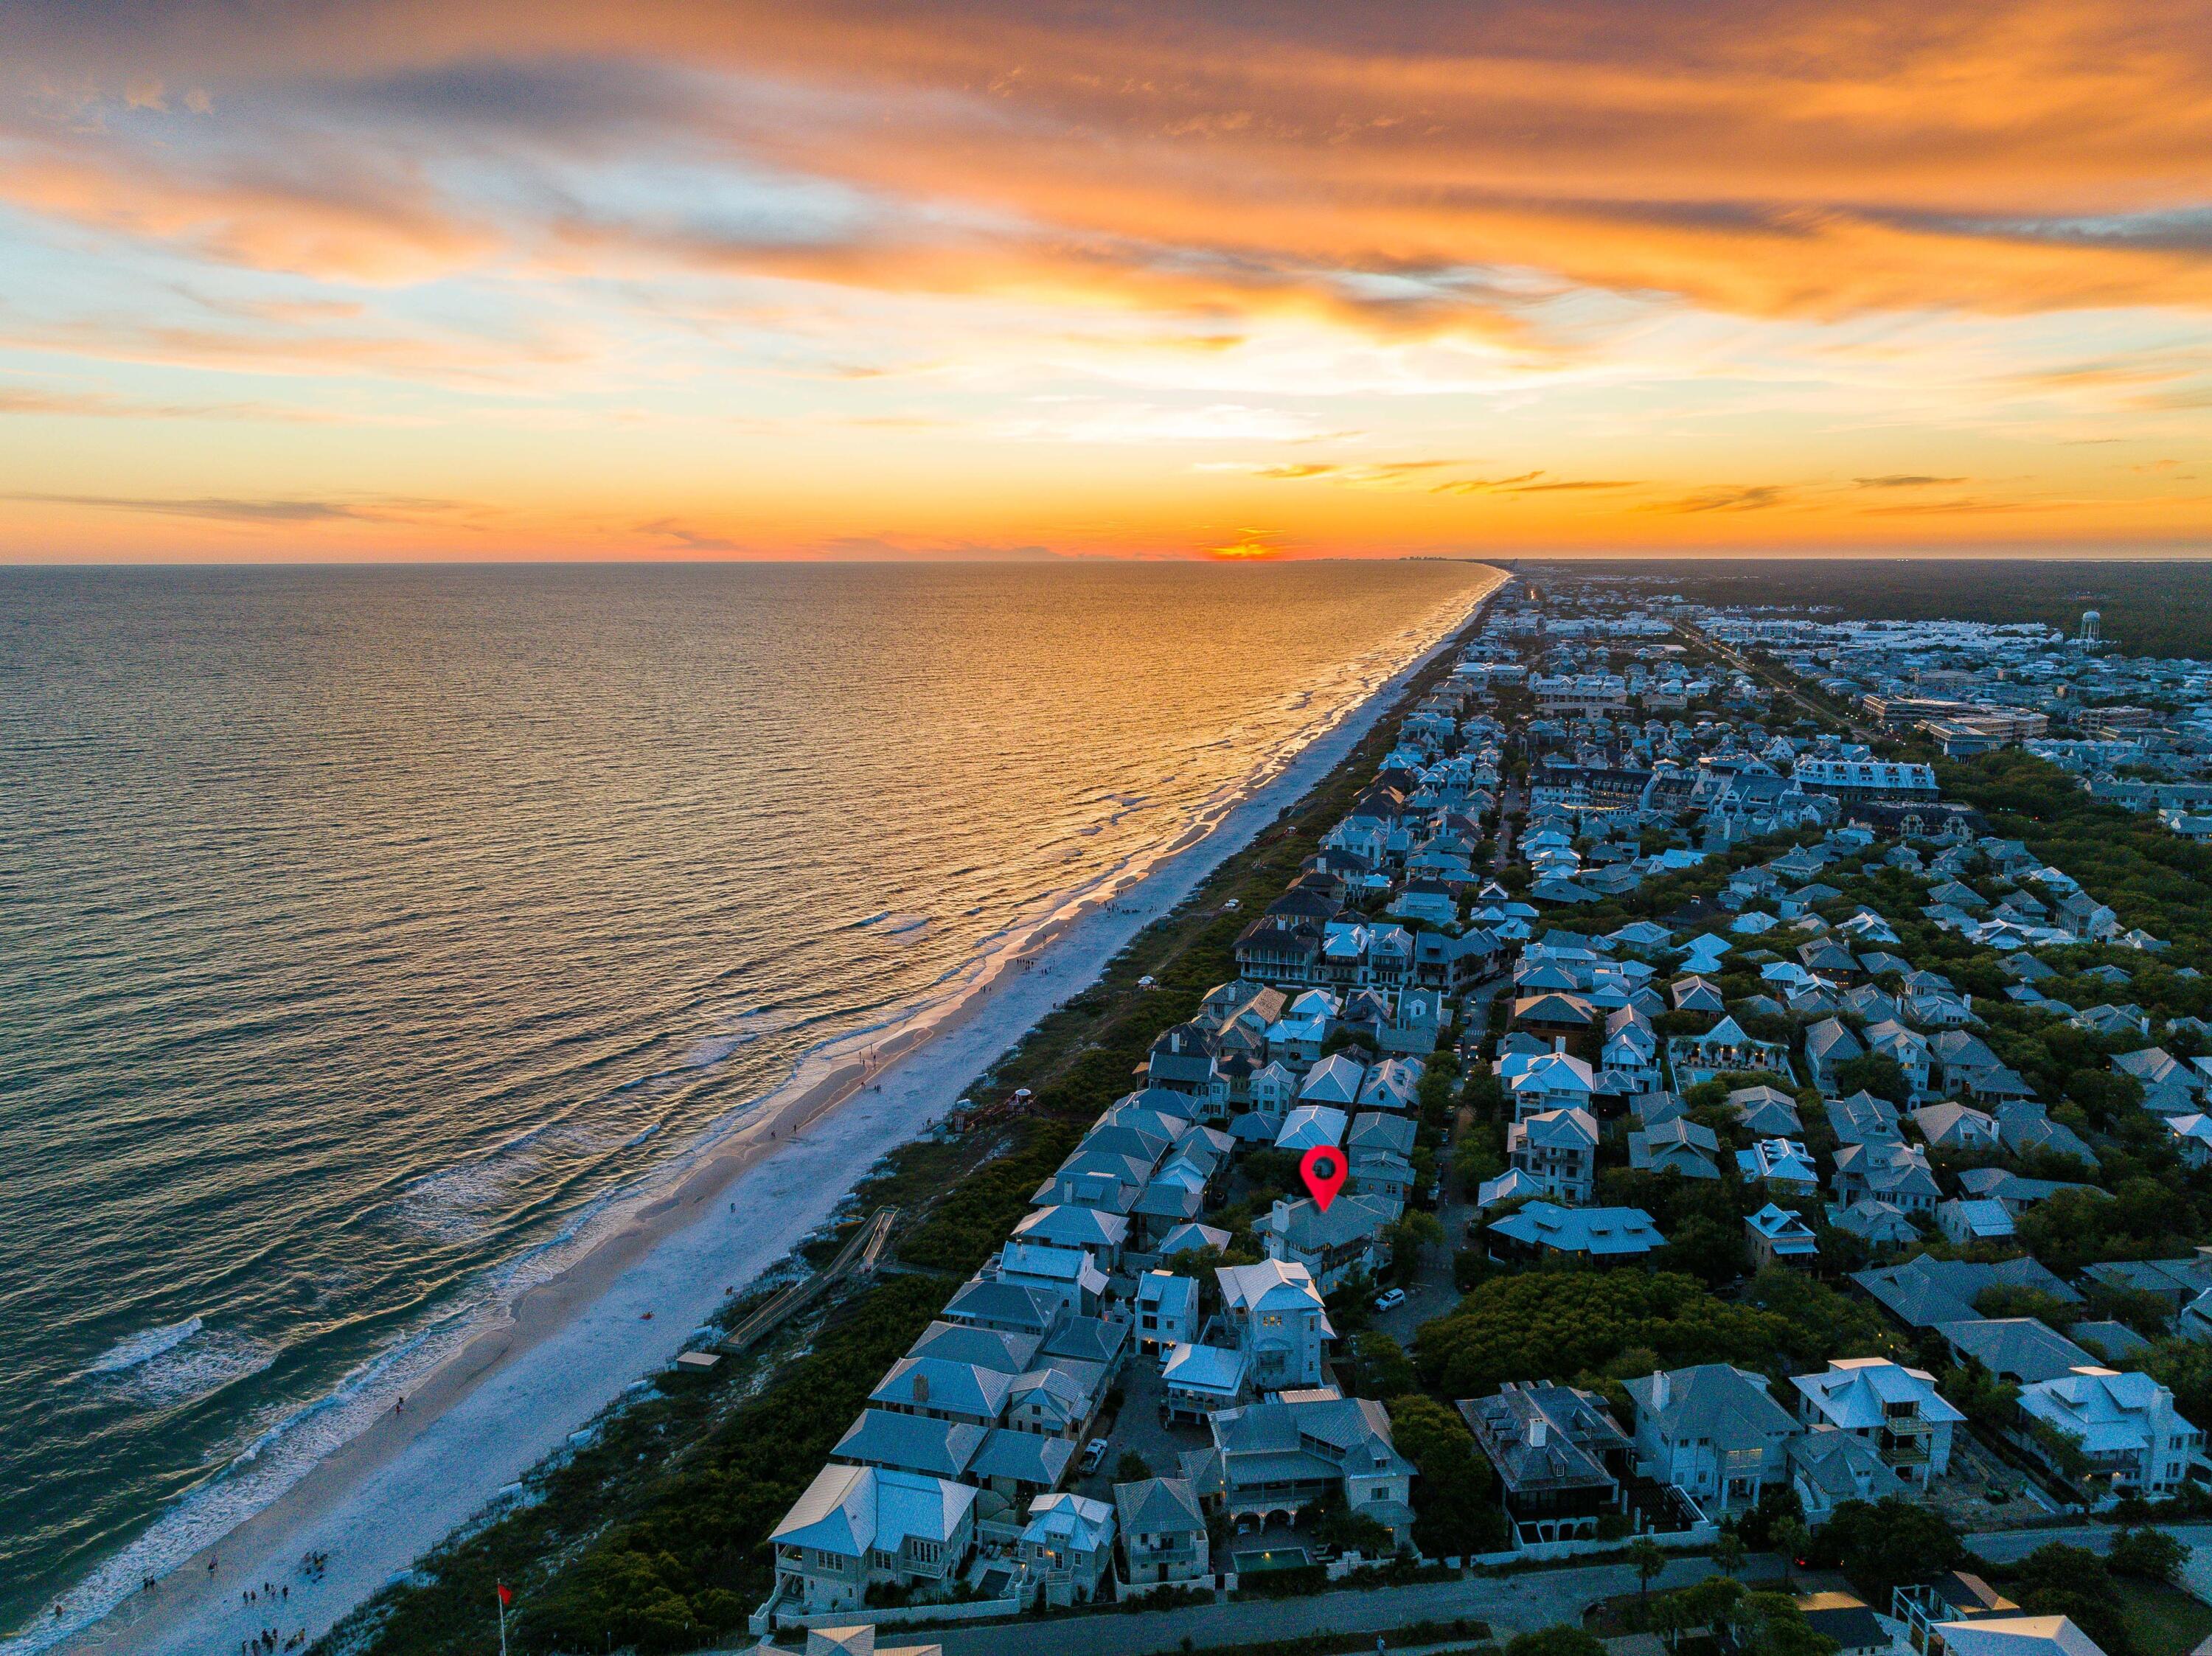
x,y
863,1252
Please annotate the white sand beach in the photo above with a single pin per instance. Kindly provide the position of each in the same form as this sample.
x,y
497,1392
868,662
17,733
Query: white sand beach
x,y
621,1313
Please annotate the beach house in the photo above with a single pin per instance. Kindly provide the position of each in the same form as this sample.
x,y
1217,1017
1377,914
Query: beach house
x,y
859,1527
1714,1432
1269,1460
1896,1411
1164,1539
1281,1327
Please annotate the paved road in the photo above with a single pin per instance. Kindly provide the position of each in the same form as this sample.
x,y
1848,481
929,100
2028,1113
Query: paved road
x,y
2005,1546
1778,679
1513,1604
1433,1293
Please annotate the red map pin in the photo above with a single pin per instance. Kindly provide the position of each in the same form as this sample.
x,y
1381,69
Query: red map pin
x,y
1323,1168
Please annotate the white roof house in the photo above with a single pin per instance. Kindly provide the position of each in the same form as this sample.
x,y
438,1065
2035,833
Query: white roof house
x,y
851,1509
2012,1635
1979,1220
1312,1125
2124,1423
857,1524
1544,1227
1335,1080
1281,1325
1896,1410
1778,1234
1546,1081
1391,1085
1069,1541
1167,1309
1200,1378
1781,1162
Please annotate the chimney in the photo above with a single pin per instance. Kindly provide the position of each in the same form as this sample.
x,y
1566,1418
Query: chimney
x,y
1540,1429
1559,1045
921,1388
1663,1390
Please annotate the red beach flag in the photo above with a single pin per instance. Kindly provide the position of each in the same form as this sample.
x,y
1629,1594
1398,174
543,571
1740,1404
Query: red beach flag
x,y
506,1595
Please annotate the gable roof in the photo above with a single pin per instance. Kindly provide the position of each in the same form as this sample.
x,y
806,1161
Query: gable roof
x,y
1732,1406
847,1510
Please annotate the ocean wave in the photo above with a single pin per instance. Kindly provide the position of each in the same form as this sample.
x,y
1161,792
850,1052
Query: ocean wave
x,y
193,1370
142,1348
177,1363
457,1202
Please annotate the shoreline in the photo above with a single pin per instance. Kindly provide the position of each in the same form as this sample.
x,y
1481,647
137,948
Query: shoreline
x,y
733,1206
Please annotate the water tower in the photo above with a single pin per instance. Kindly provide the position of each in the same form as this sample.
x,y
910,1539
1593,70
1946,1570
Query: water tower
x,y
2090,635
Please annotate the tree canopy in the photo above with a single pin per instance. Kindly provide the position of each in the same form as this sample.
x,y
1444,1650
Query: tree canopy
x,y
1565,1325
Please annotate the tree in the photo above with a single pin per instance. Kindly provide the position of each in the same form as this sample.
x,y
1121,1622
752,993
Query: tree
x,y
1791,1537
1729,1552
2184,1366
1876,1073
1380,1367
1131,1468
2057,1579
1560,1324
1710,1603
1707,1248
1882,1545
1646,1557
1454,1515
1560,1641
1415,1229
1771,1624
2151,1553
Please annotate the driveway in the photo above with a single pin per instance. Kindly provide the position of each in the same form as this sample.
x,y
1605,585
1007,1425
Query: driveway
x,y
1137,1429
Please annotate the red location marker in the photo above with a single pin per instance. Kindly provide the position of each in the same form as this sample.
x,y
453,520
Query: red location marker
x,y
1323,1168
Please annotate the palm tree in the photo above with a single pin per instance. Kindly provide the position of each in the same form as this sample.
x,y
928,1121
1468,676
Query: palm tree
x,y
1647,1559
1728,1553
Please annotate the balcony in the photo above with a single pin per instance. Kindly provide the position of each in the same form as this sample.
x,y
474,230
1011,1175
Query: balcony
x,y
1906,1449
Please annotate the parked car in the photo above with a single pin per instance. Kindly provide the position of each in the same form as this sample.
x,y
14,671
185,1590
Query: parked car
x,y
1390,1299
1094,1452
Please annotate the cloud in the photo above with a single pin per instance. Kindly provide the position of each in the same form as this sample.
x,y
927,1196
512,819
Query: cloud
x,y
1484,485
1315,469
1903,480
233,510
1573,484
1958,507
691,540
101,405
1529,483
881,548
1246,549
1730,497
1427,168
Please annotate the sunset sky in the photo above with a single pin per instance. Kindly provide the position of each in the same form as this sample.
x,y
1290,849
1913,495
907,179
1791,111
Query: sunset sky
x,y
1013,278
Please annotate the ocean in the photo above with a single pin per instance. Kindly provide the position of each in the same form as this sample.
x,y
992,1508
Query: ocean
x,y
364,933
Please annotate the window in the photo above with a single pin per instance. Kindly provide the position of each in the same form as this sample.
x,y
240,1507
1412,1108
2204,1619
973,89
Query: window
x,y
925,1552
1271,1319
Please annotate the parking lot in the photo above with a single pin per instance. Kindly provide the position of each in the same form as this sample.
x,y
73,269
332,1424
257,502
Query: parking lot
x,y
1137,1429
